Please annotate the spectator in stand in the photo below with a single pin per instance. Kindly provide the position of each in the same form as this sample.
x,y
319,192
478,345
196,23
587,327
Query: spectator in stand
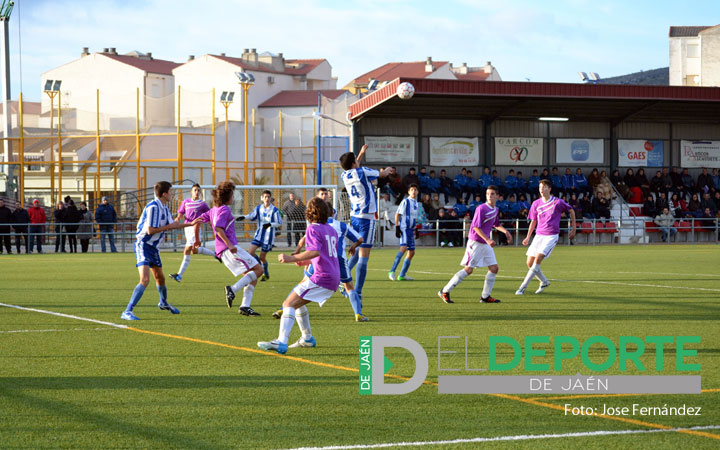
x,y
384,216
20,220
593,180
545,175
299,225
5,221
460,208
433,183
473,185
410,178
677,182
424,178
557,182
495,180
430,210
668,184
693,207
106,218
443,228
524,204
486,180
513,207
72,218
705,182
574,202
661,202
436,202
657,184
288,210
677,206
533,183
687,181
474,203
716,199
501,204
37,221
85,229
708,203
605,186
461,184
510,184
601,207
620,184
586,208
665,222
716,180
455,225
643,182
446,185
60,216
581,183
630,179
394,186
569,186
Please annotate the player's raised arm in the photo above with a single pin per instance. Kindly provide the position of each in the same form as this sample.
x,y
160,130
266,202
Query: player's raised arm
x,y
361,154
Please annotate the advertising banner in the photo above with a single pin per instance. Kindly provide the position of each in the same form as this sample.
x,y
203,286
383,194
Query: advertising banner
x,y
390,149
450,151
518,151
580,151
700,154
640,153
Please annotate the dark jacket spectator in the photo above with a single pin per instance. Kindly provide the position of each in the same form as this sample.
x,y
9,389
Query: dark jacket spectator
x,y
705,182
642,181
105,215
409,179
694,206
667,180
630,179
661,202
708,203
72,218
5,221
687,181
657,184
676,180
594,179
20,220
85,230
600,207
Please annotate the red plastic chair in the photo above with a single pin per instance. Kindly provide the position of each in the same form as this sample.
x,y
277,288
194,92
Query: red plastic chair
x,y
683,226
586,228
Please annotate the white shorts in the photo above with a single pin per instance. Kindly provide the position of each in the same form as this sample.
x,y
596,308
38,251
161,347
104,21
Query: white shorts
x,y
307,290
478,255
189,236
239,262
542,244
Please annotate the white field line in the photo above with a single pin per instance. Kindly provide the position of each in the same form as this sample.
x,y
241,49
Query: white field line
x,y
616,283
69,316
521,437
53,331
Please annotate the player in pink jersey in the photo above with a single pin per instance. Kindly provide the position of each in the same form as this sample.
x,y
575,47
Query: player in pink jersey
x,y
320,247
479,250
190,209
237,260
544,214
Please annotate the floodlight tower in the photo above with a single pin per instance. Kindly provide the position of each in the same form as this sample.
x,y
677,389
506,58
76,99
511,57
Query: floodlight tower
x,y
246,80
5,11
226,99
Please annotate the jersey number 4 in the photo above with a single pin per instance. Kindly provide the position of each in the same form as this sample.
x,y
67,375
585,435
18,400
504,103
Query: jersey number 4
x,y
354,192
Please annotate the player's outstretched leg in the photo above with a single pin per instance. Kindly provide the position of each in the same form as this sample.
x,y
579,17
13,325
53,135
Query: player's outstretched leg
x,y
396,263
487,287
303,320
164,305
444,293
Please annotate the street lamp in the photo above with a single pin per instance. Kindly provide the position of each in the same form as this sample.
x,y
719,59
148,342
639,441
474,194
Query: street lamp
x,y
52,89
226,99
246,80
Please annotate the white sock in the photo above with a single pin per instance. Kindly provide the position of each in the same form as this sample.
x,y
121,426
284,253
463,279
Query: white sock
x,y
247,295
455,280
244,281
303,320
528,277
286,323
184,265
205,251
489,282
540,276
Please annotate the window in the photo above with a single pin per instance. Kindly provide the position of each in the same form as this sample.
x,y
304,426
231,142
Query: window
x,y
693,51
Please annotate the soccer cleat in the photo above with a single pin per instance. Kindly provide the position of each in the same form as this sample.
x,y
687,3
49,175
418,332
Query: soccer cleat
x,y
304,343
219,259
273,345
445,296
277,314
520,291
168,307
229,296
489,300
176,277
361,318
264,278
405,278
128,315
542,287
391,275
342,290
248,311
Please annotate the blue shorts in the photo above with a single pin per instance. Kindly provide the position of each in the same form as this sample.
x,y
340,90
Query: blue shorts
x,y
407,239
147,255
264,247
366,230
345,275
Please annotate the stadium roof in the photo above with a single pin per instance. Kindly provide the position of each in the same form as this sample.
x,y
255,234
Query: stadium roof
x,y
493,100
300,98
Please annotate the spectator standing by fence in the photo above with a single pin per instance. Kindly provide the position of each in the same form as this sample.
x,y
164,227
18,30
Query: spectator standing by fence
x,y
37,221
5,221
59,215
72,218
106,218
85,229
288,211
21,219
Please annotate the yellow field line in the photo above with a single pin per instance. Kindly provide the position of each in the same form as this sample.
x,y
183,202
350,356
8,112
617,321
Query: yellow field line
x,y
529,401
570,397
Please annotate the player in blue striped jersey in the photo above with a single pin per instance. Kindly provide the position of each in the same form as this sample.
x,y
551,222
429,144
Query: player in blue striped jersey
x,y
268,218
155,220
358,183
405,222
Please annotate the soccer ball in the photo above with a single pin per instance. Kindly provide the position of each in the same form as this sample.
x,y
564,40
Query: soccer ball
x,y
405,91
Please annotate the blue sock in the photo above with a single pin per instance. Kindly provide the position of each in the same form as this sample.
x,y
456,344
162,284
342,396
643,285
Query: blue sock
x,y
353,261
355,302
265,266
398,257
162,290
361,272
405,267
135,298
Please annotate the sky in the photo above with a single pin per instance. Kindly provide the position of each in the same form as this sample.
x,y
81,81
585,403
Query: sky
x,y
543,41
